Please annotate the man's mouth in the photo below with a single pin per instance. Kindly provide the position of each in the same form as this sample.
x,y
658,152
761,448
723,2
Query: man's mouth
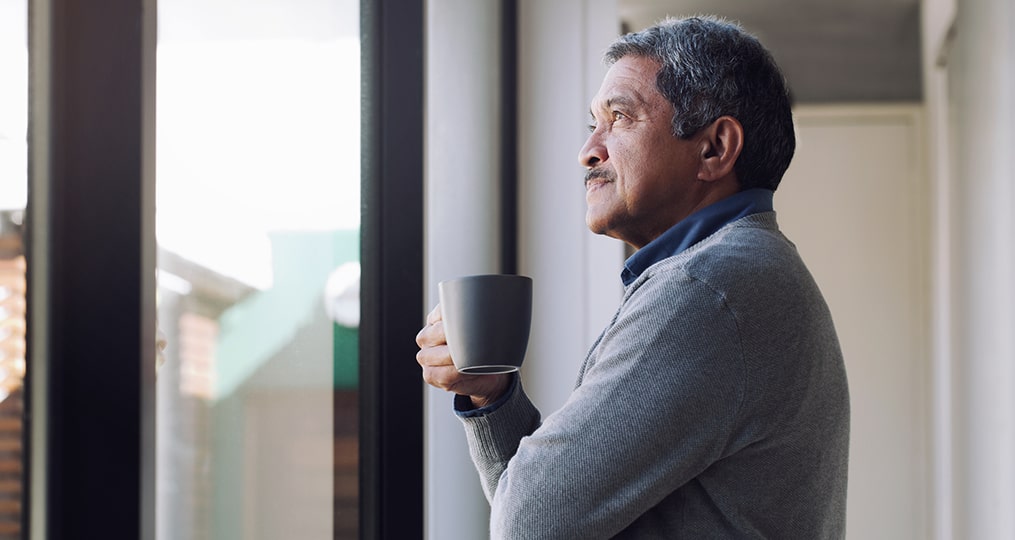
x,y
598,177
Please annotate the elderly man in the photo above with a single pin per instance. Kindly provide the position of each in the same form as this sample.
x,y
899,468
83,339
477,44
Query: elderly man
x,y
715,403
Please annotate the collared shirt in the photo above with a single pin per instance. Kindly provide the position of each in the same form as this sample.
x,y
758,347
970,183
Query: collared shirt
x,y
696,227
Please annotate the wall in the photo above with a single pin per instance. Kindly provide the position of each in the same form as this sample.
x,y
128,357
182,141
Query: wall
x,y
937,25
855,201
576,274
971,99
462,226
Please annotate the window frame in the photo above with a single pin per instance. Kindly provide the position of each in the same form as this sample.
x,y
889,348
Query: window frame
x,y
391,294
89,414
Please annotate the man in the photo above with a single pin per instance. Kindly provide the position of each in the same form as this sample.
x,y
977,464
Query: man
x,y
715,403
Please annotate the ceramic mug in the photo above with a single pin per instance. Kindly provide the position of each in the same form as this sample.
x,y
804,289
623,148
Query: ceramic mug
x,y
486,321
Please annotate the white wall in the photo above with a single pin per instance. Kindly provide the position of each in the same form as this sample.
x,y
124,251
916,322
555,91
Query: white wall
x,y
937,24
462,225
576,274
971,97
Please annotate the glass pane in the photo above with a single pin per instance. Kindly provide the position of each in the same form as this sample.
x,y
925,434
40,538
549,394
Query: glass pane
x,y
258,230
13,196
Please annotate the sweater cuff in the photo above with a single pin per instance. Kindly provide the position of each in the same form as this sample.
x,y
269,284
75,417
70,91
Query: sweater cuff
x,y
494,437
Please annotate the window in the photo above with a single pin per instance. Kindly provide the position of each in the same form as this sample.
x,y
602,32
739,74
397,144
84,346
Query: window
x,y
13,196
235,438
258,202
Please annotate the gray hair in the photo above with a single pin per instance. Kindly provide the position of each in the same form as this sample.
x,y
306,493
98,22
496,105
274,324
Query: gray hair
x,y
711,68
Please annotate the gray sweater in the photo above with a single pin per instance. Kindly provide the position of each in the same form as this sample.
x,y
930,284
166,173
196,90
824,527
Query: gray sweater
x,y
714,405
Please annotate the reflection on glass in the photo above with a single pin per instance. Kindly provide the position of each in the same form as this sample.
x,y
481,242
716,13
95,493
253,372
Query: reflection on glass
x,y
13,198
258,272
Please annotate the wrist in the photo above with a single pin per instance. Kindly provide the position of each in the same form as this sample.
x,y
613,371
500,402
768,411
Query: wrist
x,y
499,385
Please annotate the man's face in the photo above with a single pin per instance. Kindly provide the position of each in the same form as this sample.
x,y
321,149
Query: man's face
x,y
641,178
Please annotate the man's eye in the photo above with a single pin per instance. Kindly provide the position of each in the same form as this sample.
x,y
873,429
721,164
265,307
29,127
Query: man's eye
x,y
591,128
617,115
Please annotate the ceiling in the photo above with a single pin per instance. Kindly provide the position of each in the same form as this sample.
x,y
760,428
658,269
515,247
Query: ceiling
x,y
829,50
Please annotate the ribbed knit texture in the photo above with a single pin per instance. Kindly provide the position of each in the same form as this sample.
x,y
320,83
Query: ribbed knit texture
x,y
714,405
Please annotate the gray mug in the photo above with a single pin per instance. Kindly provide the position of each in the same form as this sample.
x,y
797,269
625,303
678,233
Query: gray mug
x,y
486,321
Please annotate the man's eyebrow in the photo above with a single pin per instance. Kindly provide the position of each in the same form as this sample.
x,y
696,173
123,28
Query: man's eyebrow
x,y
627,102
623,101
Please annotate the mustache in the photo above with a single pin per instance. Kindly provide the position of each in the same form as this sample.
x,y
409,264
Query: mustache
x,y
606,174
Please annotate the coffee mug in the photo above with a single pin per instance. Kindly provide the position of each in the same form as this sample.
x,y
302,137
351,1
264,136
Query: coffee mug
x,y
486,321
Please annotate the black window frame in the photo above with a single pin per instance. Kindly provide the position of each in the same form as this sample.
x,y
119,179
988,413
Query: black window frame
x,y
391,286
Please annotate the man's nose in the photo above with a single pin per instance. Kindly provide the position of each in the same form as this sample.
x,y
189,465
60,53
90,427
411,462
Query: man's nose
x,y
593,152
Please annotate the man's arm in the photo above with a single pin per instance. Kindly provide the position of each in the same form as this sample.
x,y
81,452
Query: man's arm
x,y
655,408
477,397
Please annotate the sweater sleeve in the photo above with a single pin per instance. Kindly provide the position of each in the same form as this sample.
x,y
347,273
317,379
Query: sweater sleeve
x,y
493,437
655,407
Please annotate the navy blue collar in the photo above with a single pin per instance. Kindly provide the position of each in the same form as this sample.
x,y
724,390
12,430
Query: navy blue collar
x,y
696,227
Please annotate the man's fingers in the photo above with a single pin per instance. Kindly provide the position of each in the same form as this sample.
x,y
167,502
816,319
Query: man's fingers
x,y
431,335
434,315
437,356
443,377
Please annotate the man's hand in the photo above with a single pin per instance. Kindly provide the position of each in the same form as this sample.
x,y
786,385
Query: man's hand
x,y
440,372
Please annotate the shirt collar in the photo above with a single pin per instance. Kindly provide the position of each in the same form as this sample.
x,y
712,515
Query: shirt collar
x,y
696,227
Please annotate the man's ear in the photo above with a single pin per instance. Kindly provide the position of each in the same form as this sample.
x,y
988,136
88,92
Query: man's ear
x,y
722,142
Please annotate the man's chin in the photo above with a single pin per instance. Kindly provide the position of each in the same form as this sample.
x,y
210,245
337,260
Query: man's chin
x,y
596,225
